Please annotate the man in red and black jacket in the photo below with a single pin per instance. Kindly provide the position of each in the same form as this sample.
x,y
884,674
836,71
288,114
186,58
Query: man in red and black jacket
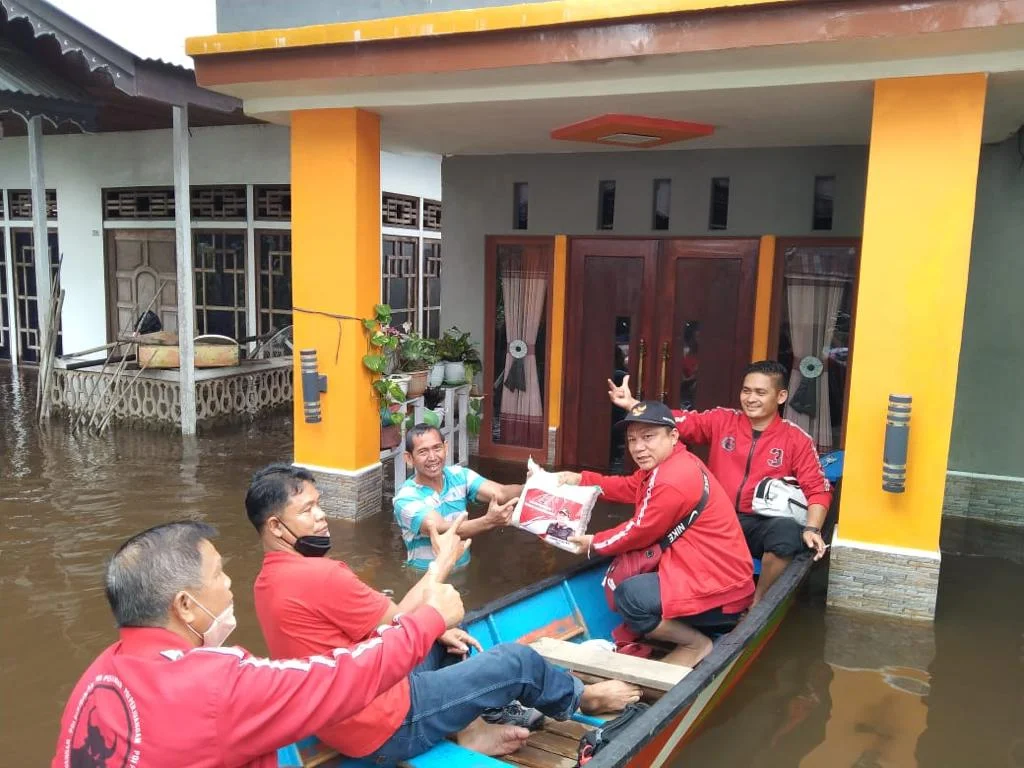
x,y
749,445
704,578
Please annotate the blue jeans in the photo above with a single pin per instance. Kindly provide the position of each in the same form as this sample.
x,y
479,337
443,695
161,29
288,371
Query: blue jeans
x,y
445,699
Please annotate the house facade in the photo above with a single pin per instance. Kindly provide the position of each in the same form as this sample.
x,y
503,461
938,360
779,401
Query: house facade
x,y
669,189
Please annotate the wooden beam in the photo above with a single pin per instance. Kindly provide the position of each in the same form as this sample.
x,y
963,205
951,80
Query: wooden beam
x,y
645,672
40,237
183,252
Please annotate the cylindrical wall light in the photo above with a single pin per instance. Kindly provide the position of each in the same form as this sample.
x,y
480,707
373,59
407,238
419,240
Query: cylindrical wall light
x,y
897,435
313,384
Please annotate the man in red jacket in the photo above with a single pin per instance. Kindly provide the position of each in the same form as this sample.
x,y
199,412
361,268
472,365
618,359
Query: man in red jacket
x,y
307,602
168,694
746,447
705,578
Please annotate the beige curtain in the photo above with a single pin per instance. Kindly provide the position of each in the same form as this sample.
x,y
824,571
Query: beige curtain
x,y
524,276
813,307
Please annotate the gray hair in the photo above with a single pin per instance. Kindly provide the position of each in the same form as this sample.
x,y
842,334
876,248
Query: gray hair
x,y
149,569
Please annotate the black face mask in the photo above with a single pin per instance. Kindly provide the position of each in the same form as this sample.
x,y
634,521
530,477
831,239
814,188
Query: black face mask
x,y
309,546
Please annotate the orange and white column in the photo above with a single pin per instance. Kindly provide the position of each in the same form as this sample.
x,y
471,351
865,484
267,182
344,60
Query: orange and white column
x,y
335,182
918,221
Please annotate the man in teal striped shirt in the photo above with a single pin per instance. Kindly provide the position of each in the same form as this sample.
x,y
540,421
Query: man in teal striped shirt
x,y
428,502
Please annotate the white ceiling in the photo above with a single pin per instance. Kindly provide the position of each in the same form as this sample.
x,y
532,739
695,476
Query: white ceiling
x,y
792,95
801,115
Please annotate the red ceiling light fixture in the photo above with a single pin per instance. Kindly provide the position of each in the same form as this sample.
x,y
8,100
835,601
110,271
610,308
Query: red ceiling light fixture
x,y
632,131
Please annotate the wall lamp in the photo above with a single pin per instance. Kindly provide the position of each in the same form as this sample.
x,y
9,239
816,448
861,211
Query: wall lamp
x,y
897,435
314,384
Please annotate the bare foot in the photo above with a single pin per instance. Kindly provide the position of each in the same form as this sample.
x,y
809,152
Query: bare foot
x,y
608,696
493,740
690,655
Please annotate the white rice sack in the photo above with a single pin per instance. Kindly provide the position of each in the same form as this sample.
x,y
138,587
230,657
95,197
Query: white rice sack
x,y
554,512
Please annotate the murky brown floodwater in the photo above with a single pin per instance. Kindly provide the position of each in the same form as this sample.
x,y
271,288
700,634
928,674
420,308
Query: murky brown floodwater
x,y
831,689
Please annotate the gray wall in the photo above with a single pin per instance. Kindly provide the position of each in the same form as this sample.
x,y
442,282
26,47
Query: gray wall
x,y
771,191
241,15
988,425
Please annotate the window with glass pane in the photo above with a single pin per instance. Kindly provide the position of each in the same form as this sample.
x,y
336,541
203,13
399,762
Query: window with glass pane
x,y
219,269
814,336
432,288
519,349
275,289
400,276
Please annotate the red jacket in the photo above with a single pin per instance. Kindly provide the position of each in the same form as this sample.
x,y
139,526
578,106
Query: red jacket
x,y
740,461
709,566
150,699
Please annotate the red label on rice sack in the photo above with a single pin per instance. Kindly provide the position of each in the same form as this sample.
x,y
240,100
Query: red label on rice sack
x,y
554,512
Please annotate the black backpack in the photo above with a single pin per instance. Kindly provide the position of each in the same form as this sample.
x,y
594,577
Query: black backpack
x,y
594,741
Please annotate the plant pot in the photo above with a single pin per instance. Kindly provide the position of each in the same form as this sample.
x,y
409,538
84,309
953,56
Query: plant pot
x,y
439,412
390,437
455,373
417,383
402,380
436,376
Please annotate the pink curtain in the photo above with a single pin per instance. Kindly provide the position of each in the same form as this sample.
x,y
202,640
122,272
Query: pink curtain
x,y
524,277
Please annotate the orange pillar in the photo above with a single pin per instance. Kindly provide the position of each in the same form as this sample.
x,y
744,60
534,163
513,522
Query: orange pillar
x,y
557,356
918,221
763,300
336,272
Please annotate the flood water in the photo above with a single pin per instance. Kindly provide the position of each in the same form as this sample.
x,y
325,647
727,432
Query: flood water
x,y
830,690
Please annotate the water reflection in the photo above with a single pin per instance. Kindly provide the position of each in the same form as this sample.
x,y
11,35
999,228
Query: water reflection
x,y
838,689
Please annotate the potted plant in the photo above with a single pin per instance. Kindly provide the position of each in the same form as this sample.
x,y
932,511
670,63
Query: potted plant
x,y
383,343
416,355
474,419
458,353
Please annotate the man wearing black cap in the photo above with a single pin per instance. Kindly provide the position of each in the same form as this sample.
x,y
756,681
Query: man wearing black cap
x,y
751,445
704,577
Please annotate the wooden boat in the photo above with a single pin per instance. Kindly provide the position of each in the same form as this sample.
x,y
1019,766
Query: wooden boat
x,y
557,614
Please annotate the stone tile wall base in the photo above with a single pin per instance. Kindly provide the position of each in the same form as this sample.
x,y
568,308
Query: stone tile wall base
x,y
890,583
552,445
350,496
980,497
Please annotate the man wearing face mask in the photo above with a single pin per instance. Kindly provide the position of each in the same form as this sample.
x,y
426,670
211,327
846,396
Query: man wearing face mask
x,y
168,694
307,603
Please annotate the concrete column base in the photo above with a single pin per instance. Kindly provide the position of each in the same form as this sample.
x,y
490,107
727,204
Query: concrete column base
x,y
349,495
887,580
552,445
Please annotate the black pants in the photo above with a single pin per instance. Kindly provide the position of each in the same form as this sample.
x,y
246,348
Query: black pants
x,y
638,602
781,536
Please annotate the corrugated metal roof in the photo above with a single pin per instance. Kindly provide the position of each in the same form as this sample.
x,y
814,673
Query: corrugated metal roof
x,y
19,73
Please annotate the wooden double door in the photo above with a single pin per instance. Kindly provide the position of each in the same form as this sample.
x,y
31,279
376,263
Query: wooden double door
x,y
676,315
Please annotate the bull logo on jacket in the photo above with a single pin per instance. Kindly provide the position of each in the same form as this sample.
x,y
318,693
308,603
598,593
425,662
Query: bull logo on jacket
x,y
775,456
729,443
94,743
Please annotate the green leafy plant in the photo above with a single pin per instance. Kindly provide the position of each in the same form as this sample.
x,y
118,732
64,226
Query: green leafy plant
x,y
383,341
474,418
455,346
415,352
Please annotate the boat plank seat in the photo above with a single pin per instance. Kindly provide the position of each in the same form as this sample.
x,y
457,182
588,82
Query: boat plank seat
x,y
647,673
530,756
